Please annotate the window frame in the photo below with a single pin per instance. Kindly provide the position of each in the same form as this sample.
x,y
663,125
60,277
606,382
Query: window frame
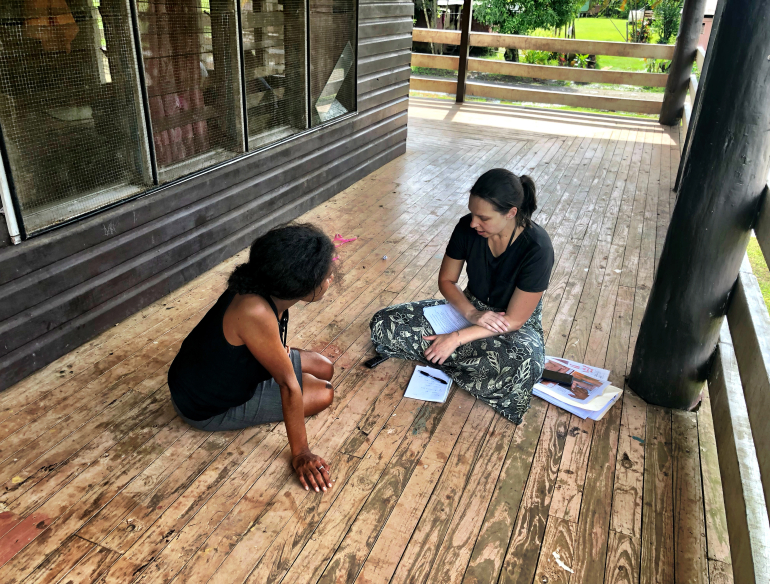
x,y
13,214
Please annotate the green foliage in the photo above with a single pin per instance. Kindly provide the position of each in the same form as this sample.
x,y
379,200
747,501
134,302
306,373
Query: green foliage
x,y
666,23
569,60
538,57
656,65
759,266
524,16
581,61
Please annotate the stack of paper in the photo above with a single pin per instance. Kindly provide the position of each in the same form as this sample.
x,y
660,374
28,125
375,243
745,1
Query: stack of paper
x,y
445,318
590,396
428,384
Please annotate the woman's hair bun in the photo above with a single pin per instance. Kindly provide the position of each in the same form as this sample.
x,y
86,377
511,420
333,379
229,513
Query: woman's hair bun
x,y
529,205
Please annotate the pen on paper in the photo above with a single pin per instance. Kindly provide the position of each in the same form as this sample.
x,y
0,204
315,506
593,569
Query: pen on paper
x,y
432,377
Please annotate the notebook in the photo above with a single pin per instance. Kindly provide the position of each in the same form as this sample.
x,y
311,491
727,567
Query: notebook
x,y
428,384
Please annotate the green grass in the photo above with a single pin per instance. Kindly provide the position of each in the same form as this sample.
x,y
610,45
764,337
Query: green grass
x,y
604,29
758,264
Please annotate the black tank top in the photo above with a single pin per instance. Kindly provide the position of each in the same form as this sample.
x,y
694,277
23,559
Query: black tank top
x,y
209,375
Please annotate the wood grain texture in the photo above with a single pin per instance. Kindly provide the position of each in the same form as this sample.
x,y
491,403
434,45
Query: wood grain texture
x,y
568,491
750,329
489,551
557,552
455,551
593,525
717,536
528,531
657,564
629,467
420,496
409,552
689,523
747,520
623,552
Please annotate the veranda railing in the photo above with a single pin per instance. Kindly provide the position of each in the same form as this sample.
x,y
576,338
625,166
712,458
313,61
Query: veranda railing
x,y
555,45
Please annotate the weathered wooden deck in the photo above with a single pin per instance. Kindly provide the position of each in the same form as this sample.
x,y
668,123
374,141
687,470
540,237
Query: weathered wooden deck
x,y
101,481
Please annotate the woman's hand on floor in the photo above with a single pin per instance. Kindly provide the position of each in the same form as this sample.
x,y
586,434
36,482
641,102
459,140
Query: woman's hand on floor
x,y
493,321
441,347
312,470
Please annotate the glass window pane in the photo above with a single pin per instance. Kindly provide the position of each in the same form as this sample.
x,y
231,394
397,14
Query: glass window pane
x,y
274,66
191,70
70,107
332,59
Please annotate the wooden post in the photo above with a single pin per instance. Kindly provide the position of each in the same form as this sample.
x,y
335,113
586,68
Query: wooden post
x,y
717,205
695,108
465,42
681,65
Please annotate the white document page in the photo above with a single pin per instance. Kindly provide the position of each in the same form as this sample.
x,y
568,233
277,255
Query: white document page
x,y
425,384
596,372
445,319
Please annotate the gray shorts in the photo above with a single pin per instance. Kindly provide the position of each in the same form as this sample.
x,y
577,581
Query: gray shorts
x,y
264,406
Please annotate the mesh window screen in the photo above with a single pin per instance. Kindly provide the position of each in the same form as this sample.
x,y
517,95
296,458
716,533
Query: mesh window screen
x,y
332,59
191,70
69,107
274,66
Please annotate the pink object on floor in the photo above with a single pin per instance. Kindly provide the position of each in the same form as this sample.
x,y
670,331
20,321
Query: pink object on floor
x,y
335,258
342,240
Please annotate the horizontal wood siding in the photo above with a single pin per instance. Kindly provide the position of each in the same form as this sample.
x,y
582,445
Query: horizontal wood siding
x,y
60,289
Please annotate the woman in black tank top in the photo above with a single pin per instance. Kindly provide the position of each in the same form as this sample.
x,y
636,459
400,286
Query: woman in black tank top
x,y
234,369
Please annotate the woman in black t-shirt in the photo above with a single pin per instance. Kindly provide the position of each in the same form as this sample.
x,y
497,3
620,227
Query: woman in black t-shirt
x,y
508,258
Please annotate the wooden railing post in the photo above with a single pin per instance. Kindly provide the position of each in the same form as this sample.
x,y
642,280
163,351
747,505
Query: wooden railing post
x,y
681,65
719,197
465,42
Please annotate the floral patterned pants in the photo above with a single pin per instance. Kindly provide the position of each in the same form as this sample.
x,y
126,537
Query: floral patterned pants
x,y
500,370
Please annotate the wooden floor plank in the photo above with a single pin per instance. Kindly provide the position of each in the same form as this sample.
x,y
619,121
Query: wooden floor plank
x,y
123,491
557,552
455,550
690,563
521,558
623,552
355,547
591,538
568,491
417,559
717,537
489,550
657,562
444,453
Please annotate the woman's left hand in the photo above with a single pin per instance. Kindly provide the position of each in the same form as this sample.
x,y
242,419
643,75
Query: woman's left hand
x,y
441,347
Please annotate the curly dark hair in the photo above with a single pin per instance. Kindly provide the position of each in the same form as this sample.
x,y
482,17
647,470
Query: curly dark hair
x,y
287,262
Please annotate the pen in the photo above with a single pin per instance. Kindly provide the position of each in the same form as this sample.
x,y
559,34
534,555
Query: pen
x,y
432,377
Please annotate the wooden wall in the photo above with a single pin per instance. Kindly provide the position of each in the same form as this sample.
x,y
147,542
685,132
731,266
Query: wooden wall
x,y
63,288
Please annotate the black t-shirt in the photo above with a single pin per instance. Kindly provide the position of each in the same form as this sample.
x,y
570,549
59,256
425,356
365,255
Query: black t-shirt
x,y
209,375
525,265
